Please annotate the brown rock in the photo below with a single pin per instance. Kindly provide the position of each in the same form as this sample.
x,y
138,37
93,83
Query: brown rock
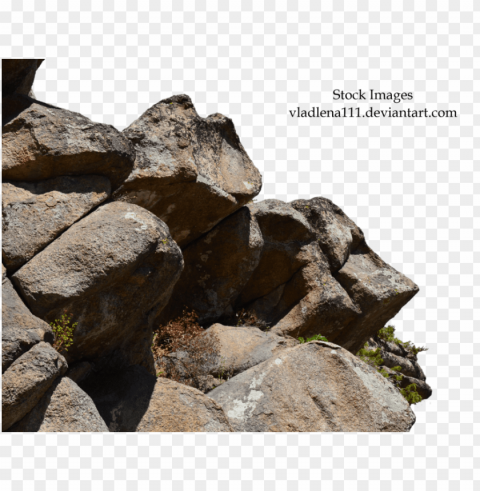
x,y
35,214
423,389
41,141
316,386
18,75
27,379
217,267
64,408
191,172
20,329
114,271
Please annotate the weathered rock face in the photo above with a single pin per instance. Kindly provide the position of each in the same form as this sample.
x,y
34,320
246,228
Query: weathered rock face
x,y
35,214
27,379
113,271
191,172
377,289
217,267
20,329
41,141
64,407
18,75
134,400
316,386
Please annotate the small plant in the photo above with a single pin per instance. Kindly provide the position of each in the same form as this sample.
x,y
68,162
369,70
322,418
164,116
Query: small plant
x,y
63,332
411,395
387,333
317,337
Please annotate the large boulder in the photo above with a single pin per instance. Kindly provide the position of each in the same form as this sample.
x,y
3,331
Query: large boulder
x,y
36,213
217,268
64,407
134,400
20,329
27,379
316,386
18,75
113,272
189,171
40,141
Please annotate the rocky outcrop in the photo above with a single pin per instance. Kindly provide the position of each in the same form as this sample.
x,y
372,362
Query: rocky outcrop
x,y
35,214
27,379
134,400
191,172
113,271
64,408
40,141
217,268
20,329
18,75
316,386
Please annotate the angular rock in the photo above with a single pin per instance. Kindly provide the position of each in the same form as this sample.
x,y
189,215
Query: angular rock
x,y
217,268
377,289
113,271
18,75
64,408
190,171
316,386
27,379
21,330
134,400
35,214
336,234
41,141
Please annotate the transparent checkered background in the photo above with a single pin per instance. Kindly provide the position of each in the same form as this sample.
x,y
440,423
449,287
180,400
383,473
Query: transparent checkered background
x,y
412,185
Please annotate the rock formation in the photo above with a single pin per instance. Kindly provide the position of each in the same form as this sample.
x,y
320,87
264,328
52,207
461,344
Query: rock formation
x,y
108,235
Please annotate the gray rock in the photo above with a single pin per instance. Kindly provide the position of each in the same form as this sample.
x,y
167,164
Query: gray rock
x,y
26,381
18,75
40,141
134,400
35,214
316,386
191,172
20,329
113,271
64,408
217,267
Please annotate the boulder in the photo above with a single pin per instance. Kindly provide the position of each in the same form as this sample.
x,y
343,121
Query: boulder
x,y
423,389
112,272
190,171
377,289
18,75
217,268
36,213
316,386
41,141
336,234
64,407
20,329
27,379
134,400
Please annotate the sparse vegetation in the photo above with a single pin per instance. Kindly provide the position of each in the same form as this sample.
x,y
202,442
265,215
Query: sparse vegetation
x,y
63,331
317,337
387,333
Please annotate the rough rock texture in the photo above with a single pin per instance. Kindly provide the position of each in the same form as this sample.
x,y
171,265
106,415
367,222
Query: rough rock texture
x,y
20,329
18,75
288,245
377,289
114,270
316,386
64,407
27,379
189,171
217,267
35,214
134,400
241,348
44,141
